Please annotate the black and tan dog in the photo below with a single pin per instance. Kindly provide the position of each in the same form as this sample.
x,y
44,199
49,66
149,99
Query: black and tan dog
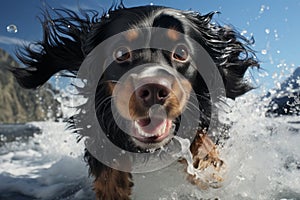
x,y
167,80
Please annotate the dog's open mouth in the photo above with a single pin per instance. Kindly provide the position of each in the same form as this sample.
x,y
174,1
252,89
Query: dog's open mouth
x,y
152,132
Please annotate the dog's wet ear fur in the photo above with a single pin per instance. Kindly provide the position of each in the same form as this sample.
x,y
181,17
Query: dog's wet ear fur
x,y
230,51
60,49
67,36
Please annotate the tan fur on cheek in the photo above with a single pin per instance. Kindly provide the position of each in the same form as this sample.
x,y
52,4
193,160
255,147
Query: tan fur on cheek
x,y
110,87
173,34
136,109
122,96
173,106
131,35
182,92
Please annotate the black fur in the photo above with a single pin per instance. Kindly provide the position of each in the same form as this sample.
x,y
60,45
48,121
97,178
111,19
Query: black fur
x,y
64,48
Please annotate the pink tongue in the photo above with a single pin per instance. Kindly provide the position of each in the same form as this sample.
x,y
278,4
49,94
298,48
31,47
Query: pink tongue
x,y
144,122
151,125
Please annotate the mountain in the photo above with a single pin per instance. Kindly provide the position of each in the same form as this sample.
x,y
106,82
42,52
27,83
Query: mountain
x,y
287,98
22,105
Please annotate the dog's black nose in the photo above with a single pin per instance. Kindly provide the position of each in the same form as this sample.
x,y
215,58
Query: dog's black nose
x,y
152,93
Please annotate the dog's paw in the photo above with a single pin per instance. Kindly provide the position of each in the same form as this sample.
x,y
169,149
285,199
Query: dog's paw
x,y
212,170
209,169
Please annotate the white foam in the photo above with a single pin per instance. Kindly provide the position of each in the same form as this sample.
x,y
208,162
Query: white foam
x,y
262,155
49,166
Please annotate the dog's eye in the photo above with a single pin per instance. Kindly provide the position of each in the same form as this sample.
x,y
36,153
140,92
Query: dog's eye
x,y
180,53
122,54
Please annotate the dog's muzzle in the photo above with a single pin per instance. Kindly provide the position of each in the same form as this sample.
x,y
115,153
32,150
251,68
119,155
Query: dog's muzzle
x,y
151,98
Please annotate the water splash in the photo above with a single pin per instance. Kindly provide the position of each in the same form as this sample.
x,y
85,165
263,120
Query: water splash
x,y
12,28
206,177
186,154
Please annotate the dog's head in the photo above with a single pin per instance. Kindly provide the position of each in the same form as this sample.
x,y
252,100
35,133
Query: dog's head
x,y
149,69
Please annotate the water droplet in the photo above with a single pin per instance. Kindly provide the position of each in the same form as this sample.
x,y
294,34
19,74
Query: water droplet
x,y
264,51
276,34
278,85
274,75
151,150
262,9
243,32
267,31
12,28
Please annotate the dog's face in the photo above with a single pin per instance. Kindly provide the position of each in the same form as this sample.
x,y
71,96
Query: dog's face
x,y
150,87
149,70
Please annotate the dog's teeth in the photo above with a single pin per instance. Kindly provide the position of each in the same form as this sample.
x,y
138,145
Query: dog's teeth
x,y
162,129
141,132
160,132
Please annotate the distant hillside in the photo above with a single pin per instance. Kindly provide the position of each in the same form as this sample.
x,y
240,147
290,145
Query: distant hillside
x,y
22,105
286,100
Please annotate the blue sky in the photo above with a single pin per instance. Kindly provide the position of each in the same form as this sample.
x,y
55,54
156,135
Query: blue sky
x,y
274,24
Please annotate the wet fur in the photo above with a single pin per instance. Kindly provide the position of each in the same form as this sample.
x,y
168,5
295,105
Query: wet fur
x,y
69,38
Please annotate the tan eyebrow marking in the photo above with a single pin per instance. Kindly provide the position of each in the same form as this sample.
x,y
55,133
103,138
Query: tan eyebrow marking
x,y
173,34
131,35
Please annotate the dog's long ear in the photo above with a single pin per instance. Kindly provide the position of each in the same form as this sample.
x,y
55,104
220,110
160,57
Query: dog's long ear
x,y
60,49
230,51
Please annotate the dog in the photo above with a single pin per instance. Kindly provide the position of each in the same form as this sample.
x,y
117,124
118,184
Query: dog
x,y
150,100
